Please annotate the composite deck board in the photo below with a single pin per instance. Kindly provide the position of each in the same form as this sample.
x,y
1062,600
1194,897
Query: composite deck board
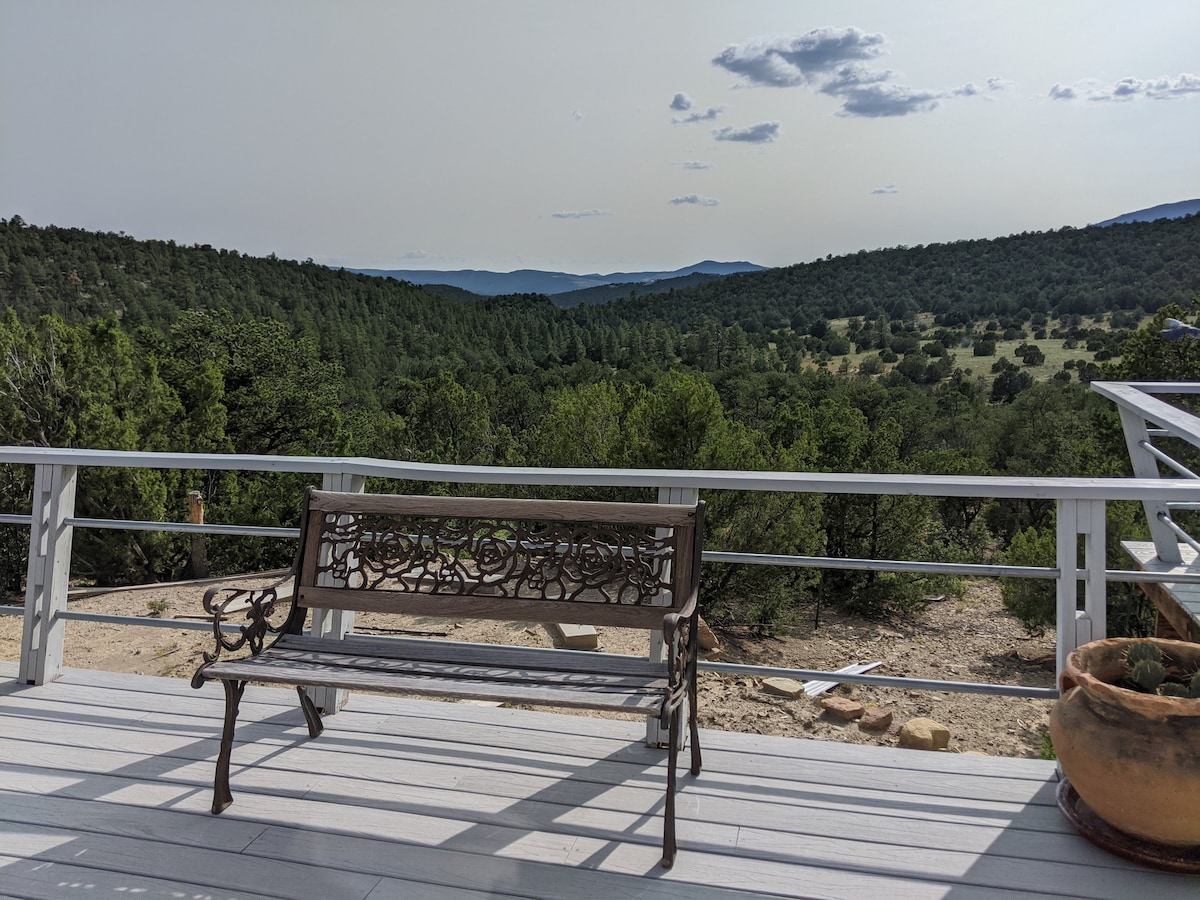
x,y
100,772
34,879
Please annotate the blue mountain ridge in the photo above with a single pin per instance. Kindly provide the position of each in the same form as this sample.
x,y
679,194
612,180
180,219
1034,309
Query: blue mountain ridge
x,y
1162,211
535,281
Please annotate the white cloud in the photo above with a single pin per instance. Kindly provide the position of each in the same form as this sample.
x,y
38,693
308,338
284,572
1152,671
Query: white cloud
x,y
681,102
762,133
695,164
1128,89
880,100
694,200
577,115
833,61
580,214
787,60
886,189
709,115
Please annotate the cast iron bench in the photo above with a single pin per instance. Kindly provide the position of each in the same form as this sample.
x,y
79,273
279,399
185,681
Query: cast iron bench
x,y
551,561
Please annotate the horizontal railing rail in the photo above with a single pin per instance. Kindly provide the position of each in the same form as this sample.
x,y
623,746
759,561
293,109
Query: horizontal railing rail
x,y
1080,512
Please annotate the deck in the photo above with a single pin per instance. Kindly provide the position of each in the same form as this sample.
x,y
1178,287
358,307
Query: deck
x,y
106,788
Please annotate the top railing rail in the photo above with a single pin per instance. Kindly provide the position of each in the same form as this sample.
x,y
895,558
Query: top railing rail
x,y
1000,487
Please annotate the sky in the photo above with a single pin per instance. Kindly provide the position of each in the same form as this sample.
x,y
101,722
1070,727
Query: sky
x,y
586,137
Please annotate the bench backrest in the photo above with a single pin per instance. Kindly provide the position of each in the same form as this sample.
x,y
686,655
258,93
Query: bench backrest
x,y
624,564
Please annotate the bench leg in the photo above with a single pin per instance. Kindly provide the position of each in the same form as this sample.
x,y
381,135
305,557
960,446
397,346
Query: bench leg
x,y
668,858
222,796
693,726
311,716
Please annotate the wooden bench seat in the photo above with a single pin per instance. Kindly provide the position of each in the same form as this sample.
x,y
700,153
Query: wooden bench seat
x,y
456,669
620,564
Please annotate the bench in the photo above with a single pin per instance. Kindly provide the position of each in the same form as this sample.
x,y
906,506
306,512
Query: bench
x,y
549,561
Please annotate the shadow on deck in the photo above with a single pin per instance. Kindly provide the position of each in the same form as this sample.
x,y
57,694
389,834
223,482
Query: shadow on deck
x,y
107,784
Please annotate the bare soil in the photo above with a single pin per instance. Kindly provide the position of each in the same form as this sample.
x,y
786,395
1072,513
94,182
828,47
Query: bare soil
x,y
967,639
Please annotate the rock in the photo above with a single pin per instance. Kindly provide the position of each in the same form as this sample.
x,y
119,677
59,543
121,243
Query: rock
x,y
924,734
876,719
705,636
783,687
843,709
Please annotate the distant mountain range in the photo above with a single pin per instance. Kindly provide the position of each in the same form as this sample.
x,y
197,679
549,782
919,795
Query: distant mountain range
x,y
1154,213
533,281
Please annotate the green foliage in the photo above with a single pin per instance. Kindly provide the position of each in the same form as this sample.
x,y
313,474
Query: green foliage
x,y
1046,746
1146,356
116,343
1030,600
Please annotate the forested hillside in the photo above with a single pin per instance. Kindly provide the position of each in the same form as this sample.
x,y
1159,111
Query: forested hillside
x,y
118,343
1066,272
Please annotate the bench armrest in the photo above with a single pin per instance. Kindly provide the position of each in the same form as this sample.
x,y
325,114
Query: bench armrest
x,y
258,606
681,638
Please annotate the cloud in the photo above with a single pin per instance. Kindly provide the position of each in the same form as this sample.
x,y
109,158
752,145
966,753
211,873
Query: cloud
x,y
1129,89
695,164
762,133
681,102
881,100
580,214
577,115
709,115
787,60
833,61
887,189
694,200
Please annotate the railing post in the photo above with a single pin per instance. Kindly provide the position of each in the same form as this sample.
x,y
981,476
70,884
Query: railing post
x,y
1078,626
48,573
1133,423
333,623
656,735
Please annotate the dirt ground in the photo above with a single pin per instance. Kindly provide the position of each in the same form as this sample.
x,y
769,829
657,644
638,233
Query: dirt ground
x,y
967,639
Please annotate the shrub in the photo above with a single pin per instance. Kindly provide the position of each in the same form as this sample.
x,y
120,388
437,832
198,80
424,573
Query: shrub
x,y
1030,600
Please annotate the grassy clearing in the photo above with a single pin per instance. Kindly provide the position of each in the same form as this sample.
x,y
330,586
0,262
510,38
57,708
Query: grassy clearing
x,y
1055,350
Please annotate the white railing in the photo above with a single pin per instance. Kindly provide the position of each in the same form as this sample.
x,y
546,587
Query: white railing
x,y
1080,504
1145,417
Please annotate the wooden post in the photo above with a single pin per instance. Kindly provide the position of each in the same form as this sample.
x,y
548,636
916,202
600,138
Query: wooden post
x,y
48,574
656,735
1093,624
1078,626
199,552
333,623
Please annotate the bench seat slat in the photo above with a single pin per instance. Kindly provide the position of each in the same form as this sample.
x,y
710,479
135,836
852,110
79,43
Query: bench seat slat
x,y
479,654
496,672
268,668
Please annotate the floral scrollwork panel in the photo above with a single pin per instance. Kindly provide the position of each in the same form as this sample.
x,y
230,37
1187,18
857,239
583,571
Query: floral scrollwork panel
x,y
623,564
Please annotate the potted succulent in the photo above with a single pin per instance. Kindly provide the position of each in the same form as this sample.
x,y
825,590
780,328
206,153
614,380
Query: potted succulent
x,y
1126,730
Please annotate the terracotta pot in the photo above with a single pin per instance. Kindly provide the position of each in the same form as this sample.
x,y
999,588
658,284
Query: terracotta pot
x,y
1133,758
